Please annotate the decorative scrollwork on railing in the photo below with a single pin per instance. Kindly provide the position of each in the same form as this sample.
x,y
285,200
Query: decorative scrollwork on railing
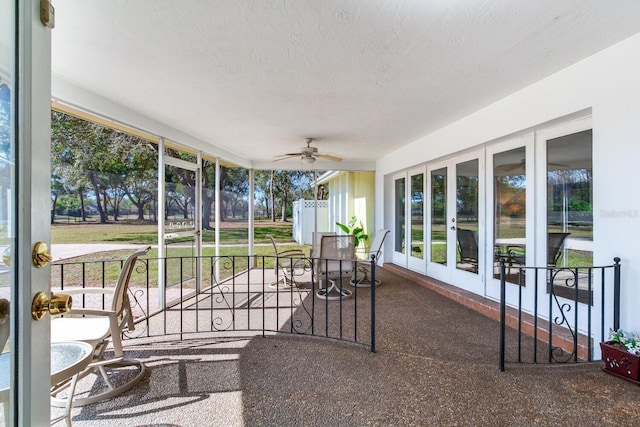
x,y
224,317
221,268
136,307
303,320
136,296
557,354
567,277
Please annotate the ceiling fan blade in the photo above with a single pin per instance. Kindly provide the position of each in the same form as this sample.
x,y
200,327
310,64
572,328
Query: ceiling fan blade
x,y
329,157
285,156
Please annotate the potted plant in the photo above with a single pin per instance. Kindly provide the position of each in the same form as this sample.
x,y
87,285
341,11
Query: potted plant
x,y
354,227
621,355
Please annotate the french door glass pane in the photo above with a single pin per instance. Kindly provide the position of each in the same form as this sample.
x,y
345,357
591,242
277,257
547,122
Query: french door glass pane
x,y
509,210
7,196
417,216
467,181
439,216
570,200
399,215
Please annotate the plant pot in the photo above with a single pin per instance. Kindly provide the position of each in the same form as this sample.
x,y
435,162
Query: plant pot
x,y
619,362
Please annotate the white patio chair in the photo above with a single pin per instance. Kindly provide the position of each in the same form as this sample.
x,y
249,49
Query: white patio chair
x,y
316,237
98,327
288,264
364,267
336,260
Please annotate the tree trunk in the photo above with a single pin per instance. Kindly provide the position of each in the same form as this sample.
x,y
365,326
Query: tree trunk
x,y
140,207
96,190
273,199
53,208
83,216
284,208
207,202
105,202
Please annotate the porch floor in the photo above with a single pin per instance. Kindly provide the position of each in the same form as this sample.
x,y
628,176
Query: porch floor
x,y
436,364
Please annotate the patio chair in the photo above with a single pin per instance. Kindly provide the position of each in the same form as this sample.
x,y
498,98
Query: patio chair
x,y
337,259
316,237
468,248
98,327
364,267
288,264
555,241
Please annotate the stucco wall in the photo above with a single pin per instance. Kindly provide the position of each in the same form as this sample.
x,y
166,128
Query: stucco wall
x,y
608,85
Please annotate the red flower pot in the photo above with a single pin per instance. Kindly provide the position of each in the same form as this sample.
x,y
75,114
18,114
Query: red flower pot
x,y
619,362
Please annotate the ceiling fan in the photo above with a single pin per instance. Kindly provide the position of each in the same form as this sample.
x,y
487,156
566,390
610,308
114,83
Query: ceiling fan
x,y
310,154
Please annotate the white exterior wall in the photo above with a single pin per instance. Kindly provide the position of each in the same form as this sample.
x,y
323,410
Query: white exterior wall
x,y
608,85
341,206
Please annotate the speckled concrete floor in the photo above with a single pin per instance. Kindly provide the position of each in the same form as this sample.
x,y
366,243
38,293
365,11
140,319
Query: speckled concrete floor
x,y
436,364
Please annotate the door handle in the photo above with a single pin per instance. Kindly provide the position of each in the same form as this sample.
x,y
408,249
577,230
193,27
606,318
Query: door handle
x,y
40,255
57,304
453,227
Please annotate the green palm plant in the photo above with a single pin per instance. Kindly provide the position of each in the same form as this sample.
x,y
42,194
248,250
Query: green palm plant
x,y
354,226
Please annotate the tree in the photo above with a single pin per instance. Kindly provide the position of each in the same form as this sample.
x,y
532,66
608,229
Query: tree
x,y
140,181
80,147
235,189
112,163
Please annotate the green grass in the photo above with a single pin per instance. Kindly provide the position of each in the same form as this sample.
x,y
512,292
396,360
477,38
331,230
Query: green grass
x,y
92,272
135,232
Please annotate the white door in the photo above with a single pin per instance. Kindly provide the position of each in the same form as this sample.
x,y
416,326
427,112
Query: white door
x,y
416,220
398,232
25,123
455,221
510,206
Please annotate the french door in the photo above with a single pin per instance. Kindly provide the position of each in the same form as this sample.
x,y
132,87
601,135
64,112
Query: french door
x,y
409,220
25,126
511,169
455,221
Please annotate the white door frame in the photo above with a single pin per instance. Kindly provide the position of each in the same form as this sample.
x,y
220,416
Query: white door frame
x,y
415,263
492,285
449,272
399,257
30,339
465,279
540,250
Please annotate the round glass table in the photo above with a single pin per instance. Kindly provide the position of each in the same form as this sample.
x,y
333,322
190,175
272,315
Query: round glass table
x,y
68,359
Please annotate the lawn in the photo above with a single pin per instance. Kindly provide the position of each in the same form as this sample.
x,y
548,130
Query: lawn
x,y
137,232
88,268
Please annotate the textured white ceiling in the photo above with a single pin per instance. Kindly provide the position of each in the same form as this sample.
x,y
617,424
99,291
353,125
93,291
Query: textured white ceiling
x,y
258,77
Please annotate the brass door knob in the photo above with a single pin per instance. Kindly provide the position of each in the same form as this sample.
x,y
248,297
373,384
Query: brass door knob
x,y
40,254
57,304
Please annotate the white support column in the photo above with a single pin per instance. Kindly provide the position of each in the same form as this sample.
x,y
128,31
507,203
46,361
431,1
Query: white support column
x,y
217,216
251,214
199,223
161,211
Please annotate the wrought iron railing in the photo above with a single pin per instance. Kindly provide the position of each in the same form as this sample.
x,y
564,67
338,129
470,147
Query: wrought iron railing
x,y
558,313
234,294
